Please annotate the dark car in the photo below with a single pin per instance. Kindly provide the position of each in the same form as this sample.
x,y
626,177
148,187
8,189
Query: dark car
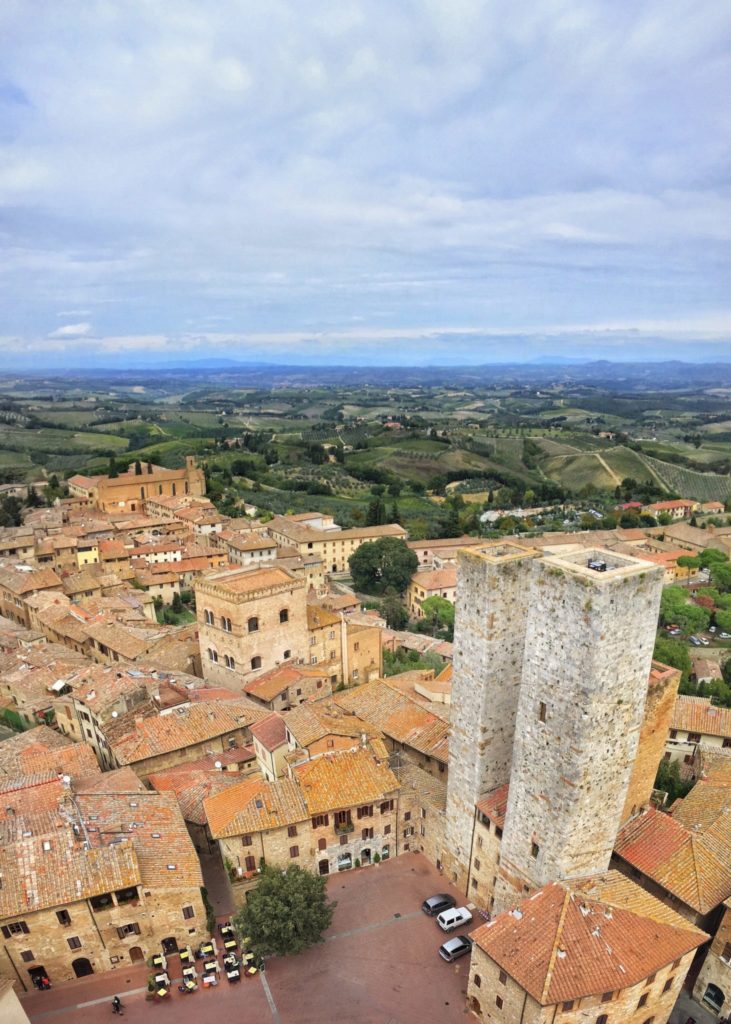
x,y
436,904
455,947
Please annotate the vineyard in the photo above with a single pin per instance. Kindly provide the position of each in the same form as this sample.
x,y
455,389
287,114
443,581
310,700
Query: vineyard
x,y
687,482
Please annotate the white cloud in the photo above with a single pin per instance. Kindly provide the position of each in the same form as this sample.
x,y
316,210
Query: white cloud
x,y
498,165
71,331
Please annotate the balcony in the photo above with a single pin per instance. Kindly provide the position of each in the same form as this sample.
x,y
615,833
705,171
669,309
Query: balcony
x,y
343,827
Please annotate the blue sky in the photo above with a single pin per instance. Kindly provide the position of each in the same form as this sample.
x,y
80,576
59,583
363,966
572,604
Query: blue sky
x,y
354,182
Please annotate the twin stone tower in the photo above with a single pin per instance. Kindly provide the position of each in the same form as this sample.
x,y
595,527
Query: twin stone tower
x,y
551,662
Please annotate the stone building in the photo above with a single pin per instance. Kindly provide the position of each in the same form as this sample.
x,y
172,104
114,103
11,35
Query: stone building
x,y
435,583
288,685
662,692
18,582
333,811
538,638
315,534
696,722
250,621
713,986
129,491
596,949
97,874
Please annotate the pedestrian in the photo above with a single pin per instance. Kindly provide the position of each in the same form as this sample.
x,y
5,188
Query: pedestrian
x,y
117,1006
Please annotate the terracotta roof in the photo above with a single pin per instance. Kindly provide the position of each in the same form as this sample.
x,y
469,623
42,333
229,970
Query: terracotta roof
x,y
398,716
270,684
697,714
319,617
254,806
582,938
495,805
192,786
243,581
439,579
19,582
309,723
184,727
704,806
693,866
337,781
271,731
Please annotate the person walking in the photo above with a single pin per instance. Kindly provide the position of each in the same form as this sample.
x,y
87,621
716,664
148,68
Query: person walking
x,y
117,1006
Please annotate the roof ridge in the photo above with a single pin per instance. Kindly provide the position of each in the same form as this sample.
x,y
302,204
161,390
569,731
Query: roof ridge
x,y
555,945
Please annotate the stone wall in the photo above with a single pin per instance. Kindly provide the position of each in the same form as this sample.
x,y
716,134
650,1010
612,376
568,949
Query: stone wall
x,y
662,691
492,605
588,650
485,989
485,863
716,969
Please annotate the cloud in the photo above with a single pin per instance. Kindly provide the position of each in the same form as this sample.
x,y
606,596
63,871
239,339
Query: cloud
x,y
504,167
71,331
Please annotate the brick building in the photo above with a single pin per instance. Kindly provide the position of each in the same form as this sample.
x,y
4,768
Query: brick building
x,y
129,491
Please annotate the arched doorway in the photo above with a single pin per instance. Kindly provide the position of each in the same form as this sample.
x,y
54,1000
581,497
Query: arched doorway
x,y
82,967
169,946
365,856
714,997
136,955
475,1006
324,867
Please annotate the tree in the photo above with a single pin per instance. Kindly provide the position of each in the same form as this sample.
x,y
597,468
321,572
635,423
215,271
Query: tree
x,y
670,652
10,508
395,514
286,913
723,620
376,514
669,781
393,611
177,604
377,565
439,613
676,608
449,525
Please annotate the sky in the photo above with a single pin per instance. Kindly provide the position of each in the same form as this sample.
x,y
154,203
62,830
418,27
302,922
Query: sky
x,y
364,182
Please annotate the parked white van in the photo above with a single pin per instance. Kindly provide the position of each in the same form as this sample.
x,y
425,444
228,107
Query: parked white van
x,y
450,919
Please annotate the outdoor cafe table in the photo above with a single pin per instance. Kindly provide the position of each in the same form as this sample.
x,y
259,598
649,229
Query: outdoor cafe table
x,y
208,949
162,979
158,960
185,955
229,944
233,973
189,972
211,965
210,979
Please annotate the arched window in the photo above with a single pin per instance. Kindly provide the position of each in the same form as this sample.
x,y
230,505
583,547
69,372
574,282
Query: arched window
x,y
229,661
253,624
212,654
209,617
256,661
284,615
225,624
602,1018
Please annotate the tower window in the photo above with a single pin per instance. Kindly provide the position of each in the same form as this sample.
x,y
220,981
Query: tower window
x,y
253,624
534,850
541,712
284,615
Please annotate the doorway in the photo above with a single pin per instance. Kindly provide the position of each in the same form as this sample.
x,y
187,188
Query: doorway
x,y
136,955
82,967
324,867
365,856
36,973
169,946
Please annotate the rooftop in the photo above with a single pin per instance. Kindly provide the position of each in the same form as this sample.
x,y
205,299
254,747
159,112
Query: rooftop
x,y
398,716
697,714
343,780
254,805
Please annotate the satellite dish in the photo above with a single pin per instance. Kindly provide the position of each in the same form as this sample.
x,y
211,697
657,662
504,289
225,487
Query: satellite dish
x,y
218,765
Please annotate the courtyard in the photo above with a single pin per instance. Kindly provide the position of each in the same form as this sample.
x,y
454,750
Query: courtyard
x,y
378,965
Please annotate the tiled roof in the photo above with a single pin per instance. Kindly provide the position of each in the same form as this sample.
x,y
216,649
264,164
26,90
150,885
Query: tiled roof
x,y
244,581
254,806
399,717
693,866
19,582
697,714
706,803
495,805
271,731
439,579
184,727
576,939
309,723
270,684
337,781
319,617
192,786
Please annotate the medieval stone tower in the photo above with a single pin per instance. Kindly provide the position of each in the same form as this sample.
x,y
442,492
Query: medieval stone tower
x,y
549,696
491,614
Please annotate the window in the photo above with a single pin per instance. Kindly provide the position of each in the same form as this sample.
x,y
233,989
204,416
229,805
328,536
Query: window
x,y
299,692
477,981
188,912
256,661
212,654
602,1018
668,984
387,830
673,734
292,831
726,955
287,655
502,977
246,841
676,965
313,659
27,956
365,812
650,979
408,831
284,615
16,928
479,842
74,942
320,820
313,641
477,863
473,883
322,844
407,816
386,806
568,1005
226,624
694,737
541,712
319,684
128,929
607,997
209,616
499,1002
534,850
63,917
253,624
343,840
642,1001
229,661
294,851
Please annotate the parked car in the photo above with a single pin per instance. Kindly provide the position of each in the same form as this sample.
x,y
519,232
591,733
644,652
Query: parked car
x,y
674,631
436,904
725,636
704,641
448,920
454,948
694,640
711,629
